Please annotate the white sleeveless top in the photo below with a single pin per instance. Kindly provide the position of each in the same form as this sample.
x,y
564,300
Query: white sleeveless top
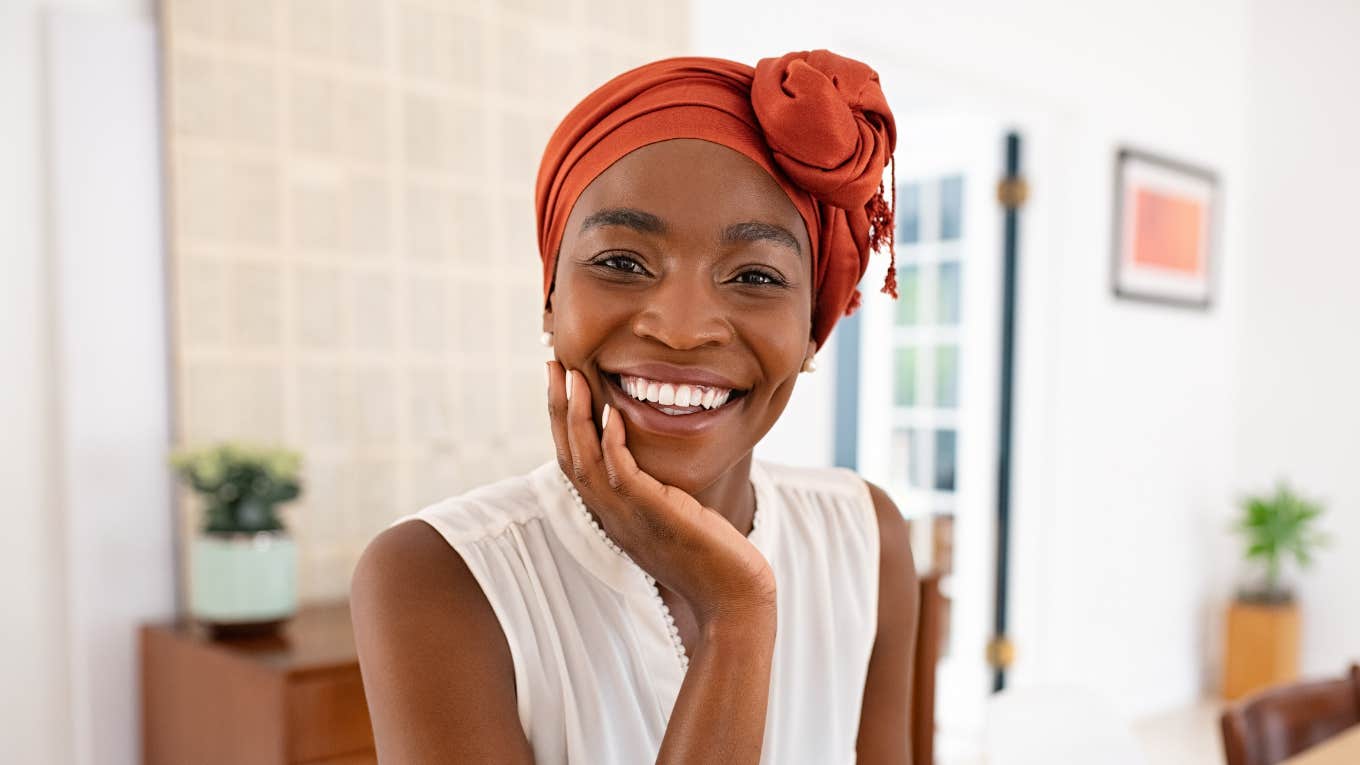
x,y
596,671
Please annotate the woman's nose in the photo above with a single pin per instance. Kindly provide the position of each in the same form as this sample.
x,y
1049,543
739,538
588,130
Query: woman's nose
x,y
684,313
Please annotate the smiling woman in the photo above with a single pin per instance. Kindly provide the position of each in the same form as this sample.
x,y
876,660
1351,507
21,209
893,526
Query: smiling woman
x,y
655,593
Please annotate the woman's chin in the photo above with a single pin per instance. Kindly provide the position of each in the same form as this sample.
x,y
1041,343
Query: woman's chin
x,y
690,472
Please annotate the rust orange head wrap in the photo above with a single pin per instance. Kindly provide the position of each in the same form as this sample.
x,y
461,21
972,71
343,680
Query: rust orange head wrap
x,y
815,121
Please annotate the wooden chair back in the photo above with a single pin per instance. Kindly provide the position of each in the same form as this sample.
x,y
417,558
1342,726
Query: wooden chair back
x,y
1273,725
928,633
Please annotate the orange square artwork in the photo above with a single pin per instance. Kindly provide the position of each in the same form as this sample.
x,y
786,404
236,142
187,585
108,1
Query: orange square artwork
x,y
1164,227
1168,232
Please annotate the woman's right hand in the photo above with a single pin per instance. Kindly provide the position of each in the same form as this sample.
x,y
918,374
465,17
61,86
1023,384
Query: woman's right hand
x,y
691,549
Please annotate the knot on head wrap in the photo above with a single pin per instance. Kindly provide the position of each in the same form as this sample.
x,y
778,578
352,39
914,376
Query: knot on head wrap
x,y
817,122
827,123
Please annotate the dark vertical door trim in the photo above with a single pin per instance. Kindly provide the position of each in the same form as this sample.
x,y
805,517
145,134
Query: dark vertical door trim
x,y
1010,252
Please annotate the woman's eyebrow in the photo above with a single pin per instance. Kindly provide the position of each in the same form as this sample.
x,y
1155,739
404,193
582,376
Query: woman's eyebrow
x,y
754,230
647,223
629,217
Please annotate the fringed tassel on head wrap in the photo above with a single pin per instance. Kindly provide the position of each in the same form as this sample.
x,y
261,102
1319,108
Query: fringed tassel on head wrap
x,y
882,216
853,305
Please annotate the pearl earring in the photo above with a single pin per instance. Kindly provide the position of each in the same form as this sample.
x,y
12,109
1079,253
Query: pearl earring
x,y
546,339
810,365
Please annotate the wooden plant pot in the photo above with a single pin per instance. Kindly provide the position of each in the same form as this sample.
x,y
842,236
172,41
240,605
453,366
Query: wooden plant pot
x,y
1262,647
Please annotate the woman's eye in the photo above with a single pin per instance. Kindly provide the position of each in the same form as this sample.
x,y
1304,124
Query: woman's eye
x,y
622,263
757,277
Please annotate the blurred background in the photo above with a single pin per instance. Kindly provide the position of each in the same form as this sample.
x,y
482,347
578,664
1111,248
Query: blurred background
x,y
1127,261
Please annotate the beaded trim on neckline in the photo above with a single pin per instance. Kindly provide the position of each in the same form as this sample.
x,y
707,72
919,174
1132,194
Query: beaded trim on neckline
x,y
656,591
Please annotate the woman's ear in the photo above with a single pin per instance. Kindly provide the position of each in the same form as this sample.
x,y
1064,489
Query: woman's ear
x,y
810,358
547,337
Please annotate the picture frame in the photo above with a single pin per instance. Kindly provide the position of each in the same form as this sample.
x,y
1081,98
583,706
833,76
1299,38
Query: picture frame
x,y
1165,230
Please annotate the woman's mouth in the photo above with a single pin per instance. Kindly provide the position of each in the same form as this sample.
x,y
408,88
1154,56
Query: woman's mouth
x,y
676,399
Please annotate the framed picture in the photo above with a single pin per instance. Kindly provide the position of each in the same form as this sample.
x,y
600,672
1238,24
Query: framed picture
x,y
1164,231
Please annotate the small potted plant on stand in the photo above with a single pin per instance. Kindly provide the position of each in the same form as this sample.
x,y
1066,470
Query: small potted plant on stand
x,y
1263,620
243,564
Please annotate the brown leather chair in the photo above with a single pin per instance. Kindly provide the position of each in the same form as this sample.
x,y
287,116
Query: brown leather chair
x,y
1275,724
929,613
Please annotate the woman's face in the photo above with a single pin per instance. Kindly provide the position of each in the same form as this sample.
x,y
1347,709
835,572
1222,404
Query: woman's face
x,y
685,276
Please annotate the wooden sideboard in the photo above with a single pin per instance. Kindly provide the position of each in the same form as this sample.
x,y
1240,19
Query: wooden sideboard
x,y
295,697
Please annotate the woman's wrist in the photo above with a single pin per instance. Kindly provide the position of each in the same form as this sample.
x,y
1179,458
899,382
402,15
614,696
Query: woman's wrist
x,y
745,624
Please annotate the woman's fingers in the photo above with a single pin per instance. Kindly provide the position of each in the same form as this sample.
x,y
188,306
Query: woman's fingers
x,y
625,477
602,467
573,428
658,511
582,437
557,415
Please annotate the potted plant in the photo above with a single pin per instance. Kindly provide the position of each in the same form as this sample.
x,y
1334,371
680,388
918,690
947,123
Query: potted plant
x,y
1263,620
243,564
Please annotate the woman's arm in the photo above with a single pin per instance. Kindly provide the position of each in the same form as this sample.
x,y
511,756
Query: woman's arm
x,y
440,681
719,715
884,725
437,671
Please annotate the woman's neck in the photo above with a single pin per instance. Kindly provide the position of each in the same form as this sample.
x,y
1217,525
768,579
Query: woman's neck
x,y
732,495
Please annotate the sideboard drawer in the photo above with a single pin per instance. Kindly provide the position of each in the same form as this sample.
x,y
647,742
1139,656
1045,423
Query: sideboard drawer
x,y
281,699
327,717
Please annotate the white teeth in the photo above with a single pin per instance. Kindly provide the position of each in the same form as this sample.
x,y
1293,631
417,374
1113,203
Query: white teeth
x,y
672,394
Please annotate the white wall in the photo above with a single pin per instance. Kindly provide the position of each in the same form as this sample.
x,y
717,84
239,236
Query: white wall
x,y
87,546
1297,372
34,694
1125,438
111,368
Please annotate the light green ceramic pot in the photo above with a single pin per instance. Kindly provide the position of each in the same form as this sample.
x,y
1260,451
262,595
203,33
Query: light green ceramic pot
x,y
243,578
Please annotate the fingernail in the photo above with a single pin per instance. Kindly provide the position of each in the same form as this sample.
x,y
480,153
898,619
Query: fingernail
x,y
604,418
547,367
569,376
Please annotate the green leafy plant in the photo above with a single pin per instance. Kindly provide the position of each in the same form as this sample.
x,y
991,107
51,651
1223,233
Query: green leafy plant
x,y
242,485
1277,527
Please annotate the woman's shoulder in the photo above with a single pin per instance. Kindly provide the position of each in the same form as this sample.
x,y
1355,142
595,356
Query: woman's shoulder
x,y
416,579
411,597
846,486
487,510
819,479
